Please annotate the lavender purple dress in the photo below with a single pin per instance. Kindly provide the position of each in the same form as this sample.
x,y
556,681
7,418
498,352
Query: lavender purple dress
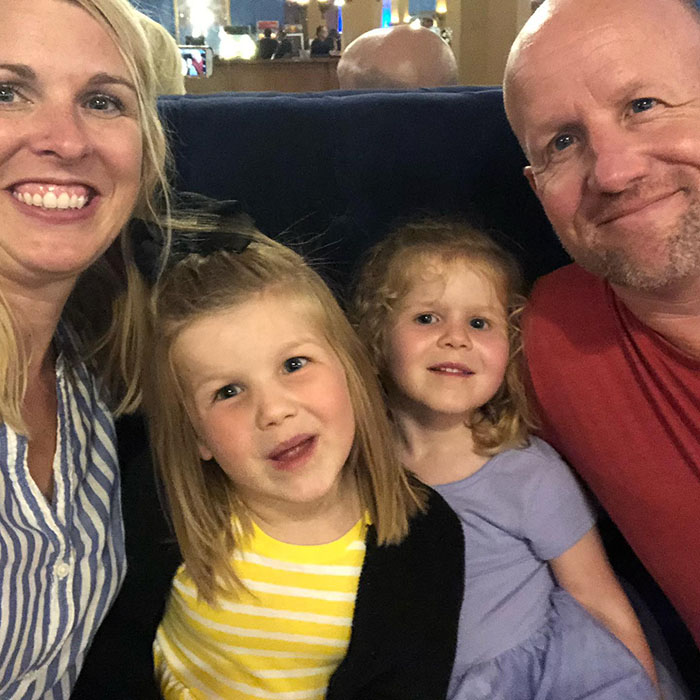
x,y
522,637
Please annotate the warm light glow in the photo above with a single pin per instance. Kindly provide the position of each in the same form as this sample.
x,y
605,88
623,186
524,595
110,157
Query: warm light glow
x,y
201,16
394,16
236,45
339,3
441,7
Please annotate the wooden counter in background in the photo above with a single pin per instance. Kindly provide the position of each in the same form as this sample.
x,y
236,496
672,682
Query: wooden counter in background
x,y
283,75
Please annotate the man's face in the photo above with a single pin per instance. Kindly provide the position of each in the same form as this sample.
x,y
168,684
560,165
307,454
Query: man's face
x,y
606,102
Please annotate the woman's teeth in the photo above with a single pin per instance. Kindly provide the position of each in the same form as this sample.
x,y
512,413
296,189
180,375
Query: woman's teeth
x,y
49,200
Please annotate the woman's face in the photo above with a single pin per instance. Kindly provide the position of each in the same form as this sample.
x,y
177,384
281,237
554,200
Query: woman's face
x,y
70,142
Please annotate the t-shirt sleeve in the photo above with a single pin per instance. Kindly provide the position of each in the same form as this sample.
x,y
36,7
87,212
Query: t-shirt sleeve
x,y
557,512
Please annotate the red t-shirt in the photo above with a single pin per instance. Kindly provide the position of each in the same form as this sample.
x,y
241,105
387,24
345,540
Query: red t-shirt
x,y
623,407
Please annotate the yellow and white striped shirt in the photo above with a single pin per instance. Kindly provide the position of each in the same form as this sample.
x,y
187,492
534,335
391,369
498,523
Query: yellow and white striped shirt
x,y
283,638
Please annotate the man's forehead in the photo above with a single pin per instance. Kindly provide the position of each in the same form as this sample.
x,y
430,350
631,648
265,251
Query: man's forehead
x,y
585,36
558,21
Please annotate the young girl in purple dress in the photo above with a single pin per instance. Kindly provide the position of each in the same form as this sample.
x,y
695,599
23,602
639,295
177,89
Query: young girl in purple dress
x,y
543,615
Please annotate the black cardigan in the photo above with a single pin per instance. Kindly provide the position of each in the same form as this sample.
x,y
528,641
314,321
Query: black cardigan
x,y
404,629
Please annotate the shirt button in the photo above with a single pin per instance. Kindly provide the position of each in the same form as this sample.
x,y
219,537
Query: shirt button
x,y
62,570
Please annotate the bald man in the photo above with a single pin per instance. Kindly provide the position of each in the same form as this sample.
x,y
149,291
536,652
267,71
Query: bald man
x,y
397,57
605,100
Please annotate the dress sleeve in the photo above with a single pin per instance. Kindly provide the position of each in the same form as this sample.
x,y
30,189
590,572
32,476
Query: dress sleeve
x,y
557,511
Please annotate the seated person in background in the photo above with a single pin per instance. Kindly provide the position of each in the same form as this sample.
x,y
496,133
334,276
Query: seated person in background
x,y
270,433
166,58
334,36
267,45
610,123
397,57
322,45
543,614
284,50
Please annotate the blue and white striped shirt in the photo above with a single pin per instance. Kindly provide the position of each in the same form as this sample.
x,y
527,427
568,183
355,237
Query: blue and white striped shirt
x,y
61,563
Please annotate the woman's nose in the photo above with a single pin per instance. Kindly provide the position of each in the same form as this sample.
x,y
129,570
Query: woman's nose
x,y
60,131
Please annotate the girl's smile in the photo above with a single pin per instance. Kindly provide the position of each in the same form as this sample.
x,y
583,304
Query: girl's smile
x,y
448,343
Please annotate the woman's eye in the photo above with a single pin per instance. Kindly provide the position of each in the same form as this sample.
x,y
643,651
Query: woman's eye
x,y
425,319
227,392
643,104
11,95
479,323
7,93
295,363
105,103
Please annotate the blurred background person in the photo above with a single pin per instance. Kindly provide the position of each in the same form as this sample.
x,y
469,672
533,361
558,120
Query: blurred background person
x,y
397,57
284,49
267,45
322,44
166,56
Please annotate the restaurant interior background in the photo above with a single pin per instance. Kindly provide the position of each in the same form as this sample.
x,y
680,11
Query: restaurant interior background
x,y
479,31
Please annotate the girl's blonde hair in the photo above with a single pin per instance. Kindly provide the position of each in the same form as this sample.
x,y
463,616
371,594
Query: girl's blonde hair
x,y
389,273
114,332
207,514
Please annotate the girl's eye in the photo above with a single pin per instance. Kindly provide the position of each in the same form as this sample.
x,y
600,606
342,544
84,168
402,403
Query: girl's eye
x,y
643,104
105,103
479,323
295,363
227,392
425,319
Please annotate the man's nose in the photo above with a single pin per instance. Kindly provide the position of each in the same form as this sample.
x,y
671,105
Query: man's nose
x,y
60,130
618,159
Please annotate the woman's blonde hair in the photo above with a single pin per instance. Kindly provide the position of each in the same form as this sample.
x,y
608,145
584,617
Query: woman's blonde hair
x,y
203,500
114,335
389,273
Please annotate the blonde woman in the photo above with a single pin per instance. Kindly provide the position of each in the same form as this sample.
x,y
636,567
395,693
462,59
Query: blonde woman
x,y
81,149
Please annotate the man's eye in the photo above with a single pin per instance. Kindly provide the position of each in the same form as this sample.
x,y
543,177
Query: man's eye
x,y
643,104
295,363
562,142
479,323
425,319
227,392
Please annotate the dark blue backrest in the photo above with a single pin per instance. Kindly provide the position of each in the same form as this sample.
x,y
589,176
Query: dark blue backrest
x,y
336,168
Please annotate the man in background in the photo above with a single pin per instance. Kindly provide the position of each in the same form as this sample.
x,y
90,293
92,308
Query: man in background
x,y
397,57
267,45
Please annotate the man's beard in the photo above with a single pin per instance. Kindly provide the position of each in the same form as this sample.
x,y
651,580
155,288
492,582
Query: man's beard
x,y
679,258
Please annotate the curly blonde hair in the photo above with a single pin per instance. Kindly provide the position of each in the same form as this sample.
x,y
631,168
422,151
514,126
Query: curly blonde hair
x,y
386,277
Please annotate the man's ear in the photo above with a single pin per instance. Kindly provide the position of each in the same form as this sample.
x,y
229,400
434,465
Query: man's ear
x,y
530,177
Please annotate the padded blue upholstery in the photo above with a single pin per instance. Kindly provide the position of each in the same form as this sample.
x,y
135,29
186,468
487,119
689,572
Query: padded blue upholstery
x,y
336,168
